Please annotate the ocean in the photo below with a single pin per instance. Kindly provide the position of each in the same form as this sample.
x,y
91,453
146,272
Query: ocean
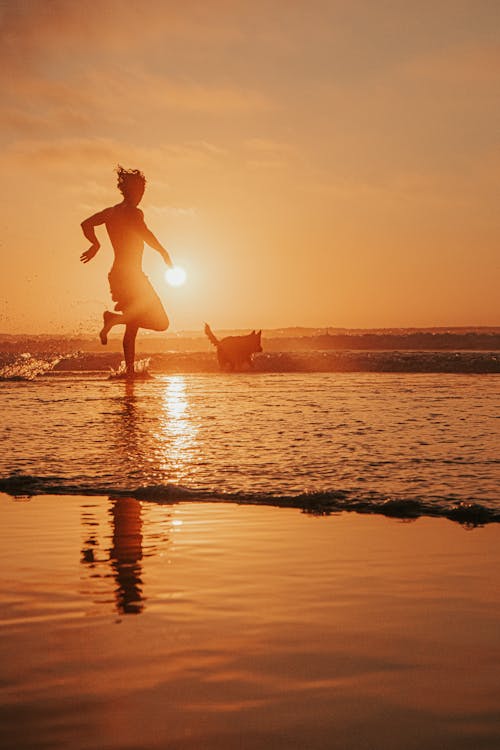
x,y
397,443
273,559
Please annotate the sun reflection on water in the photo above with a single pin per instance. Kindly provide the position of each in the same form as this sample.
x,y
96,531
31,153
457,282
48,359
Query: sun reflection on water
x,y
178,433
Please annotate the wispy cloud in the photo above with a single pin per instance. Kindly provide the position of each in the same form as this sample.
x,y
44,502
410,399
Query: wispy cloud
x,y
38,27
74,70
179,211
268,154
117,98
83,153
267,146
254,123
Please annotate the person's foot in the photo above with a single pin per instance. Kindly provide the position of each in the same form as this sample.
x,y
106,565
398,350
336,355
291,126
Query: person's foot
x,y
107,325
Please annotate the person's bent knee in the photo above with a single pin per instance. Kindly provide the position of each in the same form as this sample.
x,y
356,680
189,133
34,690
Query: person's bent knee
x,y
157,322
161,324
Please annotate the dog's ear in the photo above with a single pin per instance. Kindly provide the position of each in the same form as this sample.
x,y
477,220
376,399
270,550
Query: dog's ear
x,y
253,332
259,333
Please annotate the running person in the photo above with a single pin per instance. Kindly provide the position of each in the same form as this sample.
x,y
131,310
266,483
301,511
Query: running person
x,y
136,303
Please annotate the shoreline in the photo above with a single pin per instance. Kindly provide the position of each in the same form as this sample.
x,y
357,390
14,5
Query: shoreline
x,y
467,514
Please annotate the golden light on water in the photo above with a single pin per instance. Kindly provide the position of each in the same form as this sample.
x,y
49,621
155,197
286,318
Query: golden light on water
x,y
175,276
177,436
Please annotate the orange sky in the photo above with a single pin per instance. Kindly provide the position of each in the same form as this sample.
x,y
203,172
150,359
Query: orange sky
x,y
308,163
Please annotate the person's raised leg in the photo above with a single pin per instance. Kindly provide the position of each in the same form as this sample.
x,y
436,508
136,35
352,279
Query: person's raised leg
x,y
109,320
129,346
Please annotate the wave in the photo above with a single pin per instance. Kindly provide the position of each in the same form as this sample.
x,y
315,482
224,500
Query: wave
x,y
28,367
469,514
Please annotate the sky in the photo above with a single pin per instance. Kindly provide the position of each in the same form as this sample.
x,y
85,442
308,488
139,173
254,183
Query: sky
x,y
308,163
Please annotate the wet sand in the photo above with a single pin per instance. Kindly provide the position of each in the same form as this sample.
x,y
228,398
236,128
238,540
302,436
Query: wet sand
x,y
200,625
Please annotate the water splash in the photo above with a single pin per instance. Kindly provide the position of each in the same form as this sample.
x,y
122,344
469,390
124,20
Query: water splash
x,y
141,370
27,367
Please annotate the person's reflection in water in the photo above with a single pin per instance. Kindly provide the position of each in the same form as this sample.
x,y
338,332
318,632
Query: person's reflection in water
x,y
126,554
116,553
128,440
91,542
123,557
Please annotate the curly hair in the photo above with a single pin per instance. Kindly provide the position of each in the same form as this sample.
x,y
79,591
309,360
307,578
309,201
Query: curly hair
x,y
126,176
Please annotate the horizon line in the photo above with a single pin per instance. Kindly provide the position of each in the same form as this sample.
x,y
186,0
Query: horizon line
x,y
325,328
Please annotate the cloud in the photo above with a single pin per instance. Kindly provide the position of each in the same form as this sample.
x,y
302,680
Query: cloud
x,y
89,155
404,188
266,163
180,211
266,145
268,154
118,100
21,122
32,29
72,69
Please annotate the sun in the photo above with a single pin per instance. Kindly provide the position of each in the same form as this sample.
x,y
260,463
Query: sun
x,y
175,276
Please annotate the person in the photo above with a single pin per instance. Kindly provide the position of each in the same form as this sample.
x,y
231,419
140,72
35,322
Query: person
x,y
136,303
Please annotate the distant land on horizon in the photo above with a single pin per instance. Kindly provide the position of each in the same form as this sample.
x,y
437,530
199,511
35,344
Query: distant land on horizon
x,y
294,338
287,331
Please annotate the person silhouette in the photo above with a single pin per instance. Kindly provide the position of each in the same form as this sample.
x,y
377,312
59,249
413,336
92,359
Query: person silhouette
x,y
136,303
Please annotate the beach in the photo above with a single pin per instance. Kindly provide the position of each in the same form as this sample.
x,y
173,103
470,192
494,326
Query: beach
x,y
130,624
249,376
257,560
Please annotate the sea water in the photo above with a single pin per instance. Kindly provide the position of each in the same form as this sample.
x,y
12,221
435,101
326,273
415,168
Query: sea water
x,y
405,443
137,613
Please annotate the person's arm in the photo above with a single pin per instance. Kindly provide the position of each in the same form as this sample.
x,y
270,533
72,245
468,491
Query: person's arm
x,y
89,232
152,241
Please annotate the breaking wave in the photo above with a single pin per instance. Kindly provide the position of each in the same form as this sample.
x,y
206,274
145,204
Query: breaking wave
x,y
469,514
28,367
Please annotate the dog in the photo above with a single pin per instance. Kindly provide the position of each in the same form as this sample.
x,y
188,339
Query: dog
x,y
235,352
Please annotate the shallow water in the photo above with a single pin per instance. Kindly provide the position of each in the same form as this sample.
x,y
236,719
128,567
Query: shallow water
x,y
427,439
129,624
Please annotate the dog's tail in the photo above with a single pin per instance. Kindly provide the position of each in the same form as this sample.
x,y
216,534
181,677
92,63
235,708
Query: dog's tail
x,y
211,335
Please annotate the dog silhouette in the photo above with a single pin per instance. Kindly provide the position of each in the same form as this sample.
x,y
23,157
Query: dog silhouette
x,y
235,353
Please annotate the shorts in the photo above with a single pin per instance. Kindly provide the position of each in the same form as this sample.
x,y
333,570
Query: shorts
x,y
135,297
